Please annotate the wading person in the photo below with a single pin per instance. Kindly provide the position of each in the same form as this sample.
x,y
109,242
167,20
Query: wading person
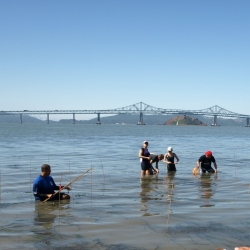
x,y
44,186
169,158
155,159
145,159
205,163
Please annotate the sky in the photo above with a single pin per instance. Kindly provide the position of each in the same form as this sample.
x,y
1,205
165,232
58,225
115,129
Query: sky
x,y
108,54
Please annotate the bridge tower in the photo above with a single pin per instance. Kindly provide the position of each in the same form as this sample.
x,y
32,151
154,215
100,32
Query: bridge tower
x,y
215,121
141,119
141,116
47,118
247,124
98,119
21,118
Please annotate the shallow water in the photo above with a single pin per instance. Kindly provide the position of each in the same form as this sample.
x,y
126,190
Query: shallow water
x,y
112,207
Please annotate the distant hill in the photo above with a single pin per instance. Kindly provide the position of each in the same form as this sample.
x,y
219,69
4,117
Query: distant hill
x,y
121,119
16,119
184,120
124,119
154,120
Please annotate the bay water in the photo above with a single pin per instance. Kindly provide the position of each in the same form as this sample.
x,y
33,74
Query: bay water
x,y
112,207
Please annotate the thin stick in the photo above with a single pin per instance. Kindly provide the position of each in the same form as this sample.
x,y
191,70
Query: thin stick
x,y
59,206
165,194
60,189
31,191
234,182
76,179
169,211
234,166
166,188
70,180
165,171
103,177
0,190
223,162
91,190
69,170
102,172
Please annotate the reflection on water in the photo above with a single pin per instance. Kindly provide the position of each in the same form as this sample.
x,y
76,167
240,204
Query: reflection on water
x,y
170,179
206,188
47,215
44,215
149,190
155,189
169,185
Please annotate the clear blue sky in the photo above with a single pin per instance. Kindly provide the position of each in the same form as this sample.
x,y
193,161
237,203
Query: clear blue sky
x,y
89,54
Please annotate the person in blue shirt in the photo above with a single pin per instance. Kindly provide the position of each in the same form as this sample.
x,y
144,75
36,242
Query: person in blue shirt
x,y
44,186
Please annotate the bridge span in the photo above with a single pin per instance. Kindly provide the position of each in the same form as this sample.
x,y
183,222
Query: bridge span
x,y
139,108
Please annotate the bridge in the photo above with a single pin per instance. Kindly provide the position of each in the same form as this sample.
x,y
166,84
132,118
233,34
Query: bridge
x,y
140,108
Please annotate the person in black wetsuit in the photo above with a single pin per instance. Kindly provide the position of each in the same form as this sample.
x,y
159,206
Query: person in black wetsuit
x,y
169,158
205,162
145,159
156,159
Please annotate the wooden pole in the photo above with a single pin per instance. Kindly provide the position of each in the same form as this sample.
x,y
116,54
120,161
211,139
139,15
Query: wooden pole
x,y
76,179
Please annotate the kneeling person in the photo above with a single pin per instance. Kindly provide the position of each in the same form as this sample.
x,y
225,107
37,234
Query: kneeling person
x,y
205,161
44,186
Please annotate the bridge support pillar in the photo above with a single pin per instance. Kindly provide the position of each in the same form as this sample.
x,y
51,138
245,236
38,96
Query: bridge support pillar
x,y
47,118
98,119
215,121
141,120
21,118
74,119
247,124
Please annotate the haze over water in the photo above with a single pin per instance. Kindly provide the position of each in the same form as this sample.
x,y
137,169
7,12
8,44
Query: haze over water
x,y
112,207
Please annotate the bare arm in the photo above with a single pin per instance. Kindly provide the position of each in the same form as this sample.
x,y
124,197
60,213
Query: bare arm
x,y
215,166
156,165
197,164
175,155
141,156
151,162
165,159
